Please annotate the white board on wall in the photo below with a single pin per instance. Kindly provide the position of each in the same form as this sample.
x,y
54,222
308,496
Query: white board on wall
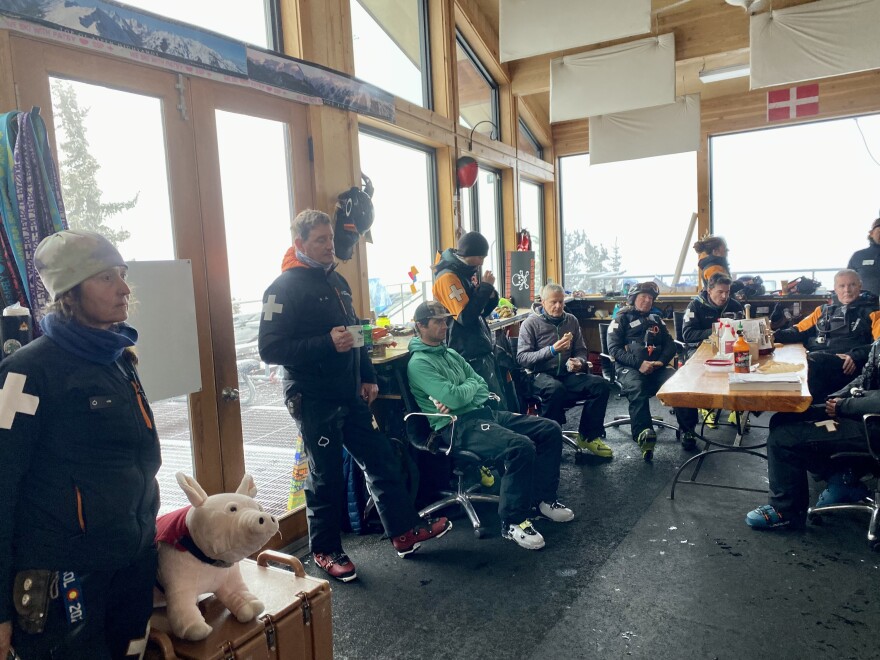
x,y
164,314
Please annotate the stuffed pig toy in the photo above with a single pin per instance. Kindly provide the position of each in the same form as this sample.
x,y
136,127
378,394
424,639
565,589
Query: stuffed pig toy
x,y
199,547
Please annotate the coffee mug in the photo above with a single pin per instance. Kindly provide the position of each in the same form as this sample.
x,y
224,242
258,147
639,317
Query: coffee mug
x,y
357,333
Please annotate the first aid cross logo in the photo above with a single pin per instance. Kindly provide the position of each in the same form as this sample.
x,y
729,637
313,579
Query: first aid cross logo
x,y
270,307
455,292
13,400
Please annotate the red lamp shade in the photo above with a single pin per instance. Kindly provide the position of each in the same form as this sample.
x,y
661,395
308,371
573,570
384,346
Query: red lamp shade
x,y
466,171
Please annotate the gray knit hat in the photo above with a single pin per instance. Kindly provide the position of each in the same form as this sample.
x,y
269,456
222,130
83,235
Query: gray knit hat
x,y
69,257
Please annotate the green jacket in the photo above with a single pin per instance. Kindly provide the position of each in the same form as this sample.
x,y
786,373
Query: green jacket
x,y
441,373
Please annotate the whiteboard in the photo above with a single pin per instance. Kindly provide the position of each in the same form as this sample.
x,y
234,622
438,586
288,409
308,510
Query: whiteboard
x,y
164,313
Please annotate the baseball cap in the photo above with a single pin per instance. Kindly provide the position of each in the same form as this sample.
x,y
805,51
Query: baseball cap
x,y
430,310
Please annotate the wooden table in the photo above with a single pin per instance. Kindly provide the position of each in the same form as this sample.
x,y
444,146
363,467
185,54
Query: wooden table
x,y
693,386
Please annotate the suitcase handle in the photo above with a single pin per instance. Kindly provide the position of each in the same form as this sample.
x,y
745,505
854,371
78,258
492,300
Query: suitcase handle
x,y
166,647
266,556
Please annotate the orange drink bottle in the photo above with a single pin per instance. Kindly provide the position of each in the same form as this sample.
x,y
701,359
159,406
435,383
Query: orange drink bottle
x,y
742,360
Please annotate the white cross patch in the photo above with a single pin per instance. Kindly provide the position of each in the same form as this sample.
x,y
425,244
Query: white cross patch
x,y
138,646
688,315
829,424
455,292
13,400
270,307
613,326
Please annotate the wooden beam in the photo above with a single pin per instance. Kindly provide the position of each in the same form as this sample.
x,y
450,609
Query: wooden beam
x,y
482,36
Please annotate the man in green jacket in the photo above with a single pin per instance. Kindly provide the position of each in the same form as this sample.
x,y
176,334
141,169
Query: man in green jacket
x,y
528,448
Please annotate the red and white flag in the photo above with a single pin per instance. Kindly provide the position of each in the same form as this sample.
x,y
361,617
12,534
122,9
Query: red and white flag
x,y
795,102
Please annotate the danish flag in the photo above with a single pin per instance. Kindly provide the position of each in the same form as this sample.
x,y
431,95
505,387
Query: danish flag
x,y
795,102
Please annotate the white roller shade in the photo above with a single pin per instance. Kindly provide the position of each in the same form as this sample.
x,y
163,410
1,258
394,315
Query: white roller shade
x,y
533,27
816,40
664,129
638,74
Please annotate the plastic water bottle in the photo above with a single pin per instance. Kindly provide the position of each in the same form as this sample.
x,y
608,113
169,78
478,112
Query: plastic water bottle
x,y
368,335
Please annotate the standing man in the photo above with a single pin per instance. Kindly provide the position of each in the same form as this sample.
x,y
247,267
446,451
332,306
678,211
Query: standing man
x,y
329,386
867,262
699,317
470,299
837,336
551,346
641,347
529,448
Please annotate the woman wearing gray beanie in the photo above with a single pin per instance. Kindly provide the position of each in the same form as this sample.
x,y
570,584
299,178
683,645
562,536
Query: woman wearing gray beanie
x,y
79,455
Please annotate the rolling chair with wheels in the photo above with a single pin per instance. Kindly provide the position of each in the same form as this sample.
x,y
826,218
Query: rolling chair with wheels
x,y
464,463
869,505
609,372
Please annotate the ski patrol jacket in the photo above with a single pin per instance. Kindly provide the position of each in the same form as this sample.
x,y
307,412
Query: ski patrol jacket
x,y
302,305
78,487
867,264
830,329
441,373
537,334
458,288
701,313
708,264
634,337
854,407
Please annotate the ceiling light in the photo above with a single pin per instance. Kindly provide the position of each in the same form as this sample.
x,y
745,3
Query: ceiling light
x,y
724,73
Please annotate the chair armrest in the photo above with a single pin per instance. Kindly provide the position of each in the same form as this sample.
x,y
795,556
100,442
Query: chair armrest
x,y
607,357
438,414
872,433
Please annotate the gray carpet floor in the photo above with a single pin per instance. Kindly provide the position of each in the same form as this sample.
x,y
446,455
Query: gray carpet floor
x,y
636,574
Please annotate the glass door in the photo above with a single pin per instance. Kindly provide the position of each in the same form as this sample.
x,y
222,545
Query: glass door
x,y
255,175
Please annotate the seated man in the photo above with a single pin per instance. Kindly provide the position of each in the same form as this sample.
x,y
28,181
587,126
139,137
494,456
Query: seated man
x,y
641,347
551,346
701,314
837,335
530,448
803,442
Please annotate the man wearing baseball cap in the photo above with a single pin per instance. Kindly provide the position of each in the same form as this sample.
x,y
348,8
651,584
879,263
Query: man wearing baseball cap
x,y
527,448
470,298
867,262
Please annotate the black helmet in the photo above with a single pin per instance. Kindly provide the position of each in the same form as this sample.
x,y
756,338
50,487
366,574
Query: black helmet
x,y
473,244
354,217
650,288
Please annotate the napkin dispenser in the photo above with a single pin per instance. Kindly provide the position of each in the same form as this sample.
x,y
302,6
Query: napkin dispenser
x,y
757,331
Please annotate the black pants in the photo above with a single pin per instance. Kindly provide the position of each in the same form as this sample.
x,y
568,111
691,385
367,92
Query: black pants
x,y
116,608
487,369
328,426
639,388
797,445
825,375
558,392
528,448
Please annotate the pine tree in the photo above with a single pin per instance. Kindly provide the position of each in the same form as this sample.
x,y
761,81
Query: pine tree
x,y
79,185
582,258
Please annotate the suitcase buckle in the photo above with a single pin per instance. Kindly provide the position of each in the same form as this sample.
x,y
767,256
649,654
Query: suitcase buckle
x,y
228,651
306,607
271,635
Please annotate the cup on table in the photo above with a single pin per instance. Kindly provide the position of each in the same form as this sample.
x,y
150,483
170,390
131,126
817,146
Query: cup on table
x,y
357,333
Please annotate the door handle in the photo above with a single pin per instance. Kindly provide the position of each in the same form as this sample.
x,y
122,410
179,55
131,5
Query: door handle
x,y
229,394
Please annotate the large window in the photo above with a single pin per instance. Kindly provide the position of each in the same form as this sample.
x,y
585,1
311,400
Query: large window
x,y
796,200
404,232
245,20
531,215
481,211
391,47
477,92
627,221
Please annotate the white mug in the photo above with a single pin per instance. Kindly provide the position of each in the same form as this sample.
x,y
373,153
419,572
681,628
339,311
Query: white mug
x,y
357,333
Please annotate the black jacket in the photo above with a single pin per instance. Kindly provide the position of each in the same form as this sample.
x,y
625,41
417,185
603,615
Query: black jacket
x,y
458,288
77,478
701,313
298,336
867,264
868,381
831,330
634,337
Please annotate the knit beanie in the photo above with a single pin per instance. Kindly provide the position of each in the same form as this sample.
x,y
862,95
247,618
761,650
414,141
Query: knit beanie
x,y
72,256
473,244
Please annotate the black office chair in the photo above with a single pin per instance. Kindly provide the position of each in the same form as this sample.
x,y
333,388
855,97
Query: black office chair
x,y
465,464
871,458
610,374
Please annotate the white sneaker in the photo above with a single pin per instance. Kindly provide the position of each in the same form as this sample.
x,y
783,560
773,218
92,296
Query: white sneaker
x,y
524,535
555,511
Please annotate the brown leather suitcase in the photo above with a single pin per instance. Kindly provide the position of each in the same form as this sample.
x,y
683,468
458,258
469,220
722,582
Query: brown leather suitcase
x,y
296,624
